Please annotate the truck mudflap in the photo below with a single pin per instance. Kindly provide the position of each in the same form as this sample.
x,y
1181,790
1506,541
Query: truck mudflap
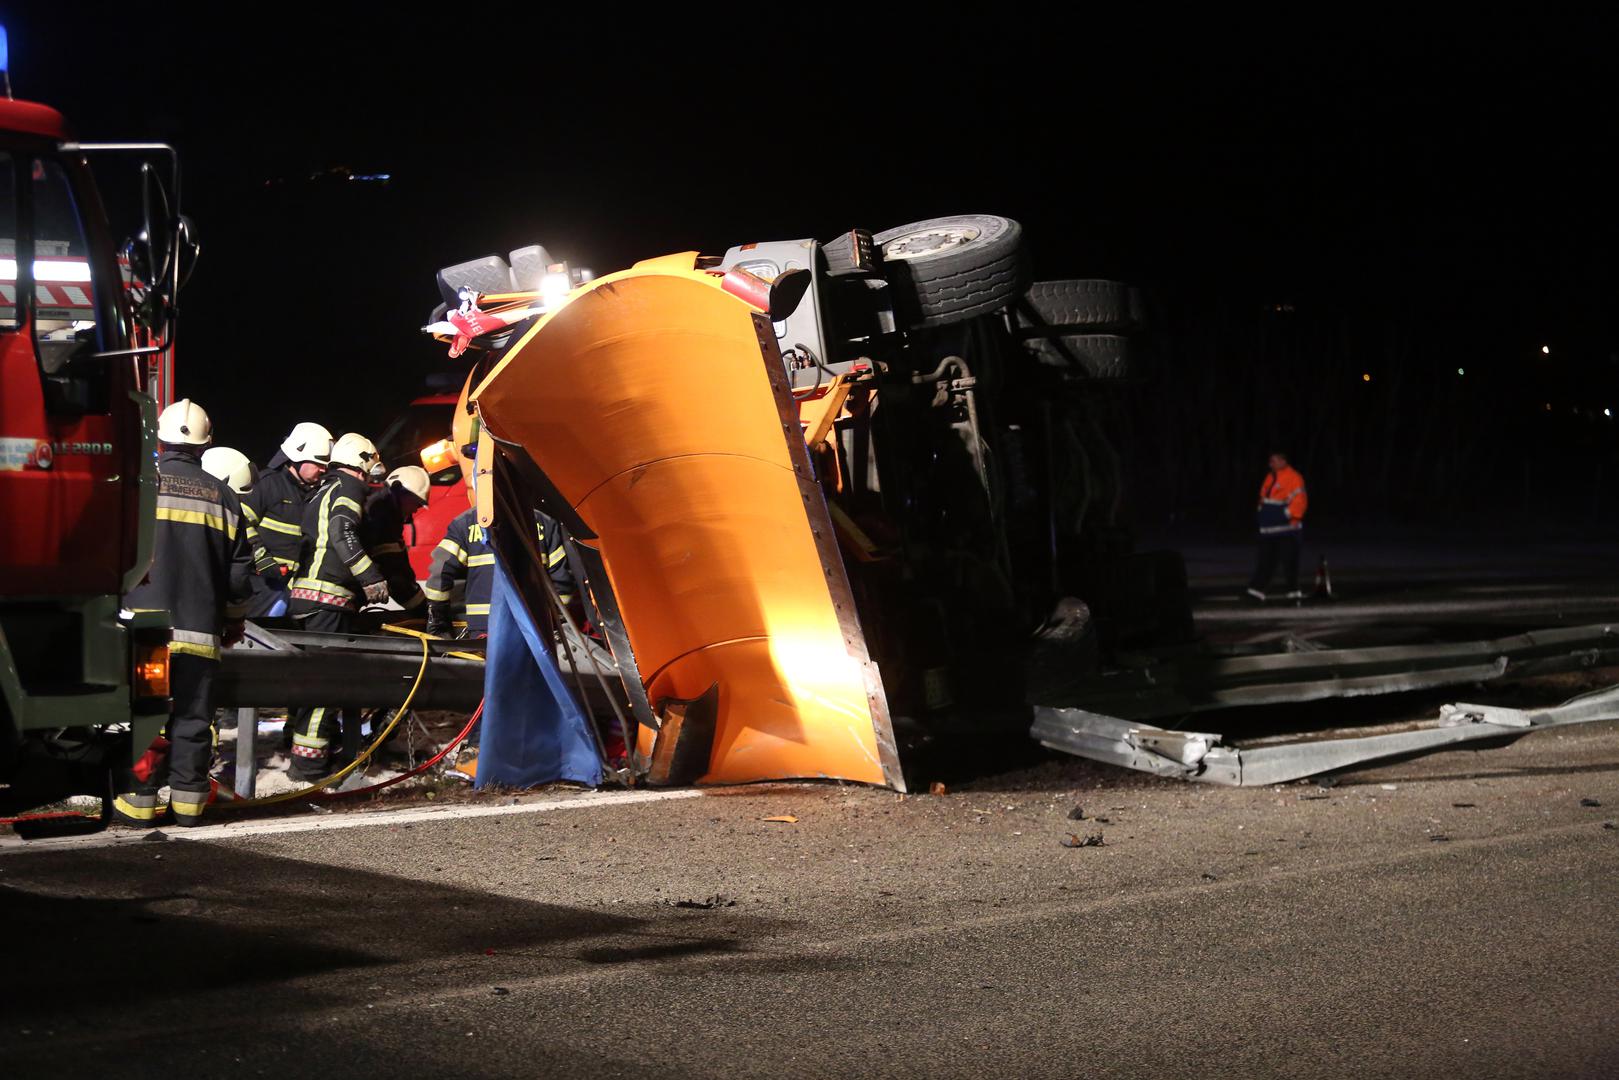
x,y
656,405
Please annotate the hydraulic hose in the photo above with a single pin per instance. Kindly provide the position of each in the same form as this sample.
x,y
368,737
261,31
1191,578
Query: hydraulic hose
x,y
337,777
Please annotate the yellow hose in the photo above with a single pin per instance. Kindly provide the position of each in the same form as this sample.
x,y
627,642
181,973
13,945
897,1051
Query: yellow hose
x,y
288,796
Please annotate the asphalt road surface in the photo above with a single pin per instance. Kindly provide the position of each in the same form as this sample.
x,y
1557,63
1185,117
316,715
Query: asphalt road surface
x,y
1453,916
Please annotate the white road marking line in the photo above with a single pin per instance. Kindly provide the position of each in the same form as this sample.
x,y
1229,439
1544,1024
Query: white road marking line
x,y
359,820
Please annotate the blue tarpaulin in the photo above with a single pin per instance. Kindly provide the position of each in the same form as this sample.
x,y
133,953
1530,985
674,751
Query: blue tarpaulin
x,y
534,732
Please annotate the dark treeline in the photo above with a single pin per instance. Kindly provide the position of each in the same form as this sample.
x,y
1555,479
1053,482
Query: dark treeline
x,y
1395,418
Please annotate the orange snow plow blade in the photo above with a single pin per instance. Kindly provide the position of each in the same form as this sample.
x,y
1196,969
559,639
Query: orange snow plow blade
x,y
656,405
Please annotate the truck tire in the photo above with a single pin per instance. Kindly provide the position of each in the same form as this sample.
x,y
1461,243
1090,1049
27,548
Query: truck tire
x,y
1090,305
1092,356
951,269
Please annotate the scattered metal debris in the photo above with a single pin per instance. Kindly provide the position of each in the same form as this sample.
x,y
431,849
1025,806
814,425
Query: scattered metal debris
x,y
1074,840
1589,802
1077,814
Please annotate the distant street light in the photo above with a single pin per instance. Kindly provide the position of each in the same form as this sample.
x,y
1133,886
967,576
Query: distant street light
x,y
1366,377
1545,350
1461,371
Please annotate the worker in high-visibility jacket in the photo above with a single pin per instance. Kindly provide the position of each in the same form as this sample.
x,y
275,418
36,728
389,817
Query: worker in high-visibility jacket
x,y
201,565
336,578
278,502
1280,520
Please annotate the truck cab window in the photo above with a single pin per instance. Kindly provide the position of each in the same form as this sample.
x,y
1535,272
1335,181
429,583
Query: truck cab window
x,y
65,297
10,318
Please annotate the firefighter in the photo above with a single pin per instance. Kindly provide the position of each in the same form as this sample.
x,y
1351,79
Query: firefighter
x,y
240,474
1282,502
201,564
465,555
382,531
336,578
278,502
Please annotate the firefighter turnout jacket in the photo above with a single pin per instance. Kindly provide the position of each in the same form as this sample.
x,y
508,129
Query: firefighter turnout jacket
x,y
278,501
464,553
382,531
1282,501
336,568
202,563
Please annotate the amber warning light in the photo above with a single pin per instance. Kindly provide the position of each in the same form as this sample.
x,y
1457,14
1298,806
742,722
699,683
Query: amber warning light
x,y
152,671
438,457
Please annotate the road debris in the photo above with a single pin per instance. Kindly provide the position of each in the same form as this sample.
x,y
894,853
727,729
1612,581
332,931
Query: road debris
x,y
718,900
787,819
1074,840
938,788
1464,806
1590,802
1077,814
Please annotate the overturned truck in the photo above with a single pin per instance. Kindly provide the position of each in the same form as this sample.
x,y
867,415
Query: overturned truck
x,y
833,499
819,491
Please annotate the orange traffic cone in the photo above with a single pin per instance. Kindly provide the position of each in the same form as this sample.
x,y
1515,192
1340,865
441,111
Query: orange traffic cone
x,y
1323,580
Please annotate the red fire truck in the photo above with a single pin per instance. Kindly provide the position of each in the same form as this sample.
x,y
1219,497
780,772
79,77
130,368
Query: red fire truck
x,y
85,348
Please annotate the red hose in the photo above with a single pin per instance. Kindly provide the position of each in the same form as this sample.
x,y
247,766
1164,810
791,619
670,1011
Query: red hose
x,y
53,816
417,771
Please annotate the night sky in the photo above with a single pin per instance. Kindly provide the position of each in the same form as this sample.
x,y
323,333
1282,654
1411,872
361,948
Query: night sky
x,y
1452,189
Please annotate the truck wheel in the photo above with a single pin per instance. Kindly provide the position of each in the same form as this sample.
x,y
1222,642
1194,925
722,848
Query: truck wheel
x,y
1090,304
950,269
1092,356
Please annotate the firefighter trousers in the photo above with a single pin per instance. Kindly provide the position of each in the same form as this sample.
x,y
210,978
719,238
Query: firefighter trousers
x,y
316,731
184,760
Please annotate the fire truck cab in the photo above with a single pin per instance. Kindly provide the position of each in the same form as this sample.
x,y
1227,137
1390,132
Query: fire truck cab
x,y
83,679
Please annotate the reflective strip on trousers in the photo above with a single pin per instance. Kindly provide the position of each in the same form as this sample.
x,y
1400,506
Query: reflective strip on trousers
x,y
188,803
195,637
130,807
186,648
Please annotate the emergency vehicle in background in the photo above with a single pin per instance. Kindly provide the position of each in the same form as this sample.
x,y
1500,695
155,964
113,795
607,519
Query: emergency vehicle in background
x,y
86,350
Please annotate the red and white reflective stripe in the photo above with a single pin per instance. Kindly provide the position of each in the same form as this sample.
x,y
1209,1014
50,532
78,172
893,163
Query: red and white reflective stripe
x,y
63,296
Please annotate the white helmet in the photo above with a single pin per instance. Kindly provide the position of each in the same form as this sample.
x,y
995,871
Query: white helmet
x,y
231,466
185,424
307,442
357,452
413,478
